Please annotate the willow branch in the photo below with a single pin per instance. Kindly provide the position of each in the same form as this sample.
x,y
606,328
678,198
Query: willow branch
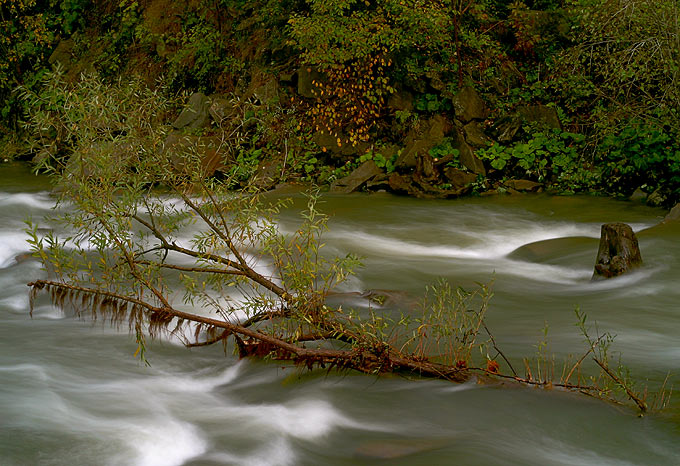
x,y
578,363
221,337
641,404
232,328
224,236
246,269
493,342
131,262
192,269
40,284
267,315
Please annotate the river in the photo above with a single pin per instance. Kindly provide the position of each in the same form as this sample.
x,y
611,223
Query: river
x,y
72,393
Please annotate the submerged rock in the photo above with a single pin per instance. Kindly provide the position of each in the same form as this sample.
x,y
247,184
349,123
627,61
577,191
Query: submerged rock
x,y
619,251
570,251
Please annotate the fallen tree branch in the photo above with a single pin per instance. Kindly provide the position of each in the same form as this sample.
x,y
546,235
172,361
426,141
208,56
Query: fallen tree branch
x,y
640,403
493,343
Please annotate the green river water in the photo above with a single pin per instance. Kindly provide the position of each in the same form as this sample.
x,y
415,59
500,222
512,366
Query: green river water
x,y
71,393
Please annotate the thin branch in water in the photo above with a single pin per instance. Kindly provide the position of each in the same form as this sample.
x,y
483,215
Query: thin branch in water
x,y
641,404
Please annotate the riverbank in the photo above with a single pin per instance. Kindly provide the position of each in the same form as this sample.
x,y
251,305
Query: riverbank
x,y
494,98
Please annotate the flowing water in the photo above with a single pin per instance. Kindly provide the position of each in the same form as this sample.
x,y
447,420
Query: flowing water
x,y
71,392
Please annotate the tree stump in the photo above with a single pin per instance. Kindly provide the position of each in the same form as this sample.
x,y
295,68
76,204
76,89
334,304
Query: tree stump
x,y
619,251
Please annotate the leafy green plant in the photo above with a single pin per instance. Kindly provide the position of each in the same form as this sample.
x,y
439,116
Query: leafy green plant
x,y
25,37
432,103
546,154
624,65
379,160
72,14
306,164
445,150
244,166
641,154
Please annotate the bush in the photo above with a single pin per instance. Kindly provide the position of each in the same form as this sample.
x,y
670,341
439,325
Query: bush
x,y
547,156
642,155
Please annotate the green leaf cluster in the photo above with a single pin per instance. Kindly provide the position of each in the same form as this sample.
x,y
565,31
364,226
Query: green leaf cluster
x,y
547,154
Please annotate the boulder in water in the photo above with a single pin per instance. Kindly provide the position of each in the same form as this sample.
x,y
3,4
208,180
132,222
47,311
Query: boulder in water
x,y
673,215
619,251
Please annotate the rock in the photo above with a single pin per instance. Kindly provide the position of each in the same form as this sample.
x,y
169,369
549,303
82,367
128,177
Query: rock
x,y
63,53
470,160
286,78
638,196
540,114
509,78
420,140
505,128
355,180
402,184
468,105
182,147
673,215
195,114
287,189
466,155
268,172
557,251
400,101
489,192
523,185
474,135
657,198
118,154
306,78
221,109
415,186
267,92
379,183
388,151
425,169
459,179
384,451
618,253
